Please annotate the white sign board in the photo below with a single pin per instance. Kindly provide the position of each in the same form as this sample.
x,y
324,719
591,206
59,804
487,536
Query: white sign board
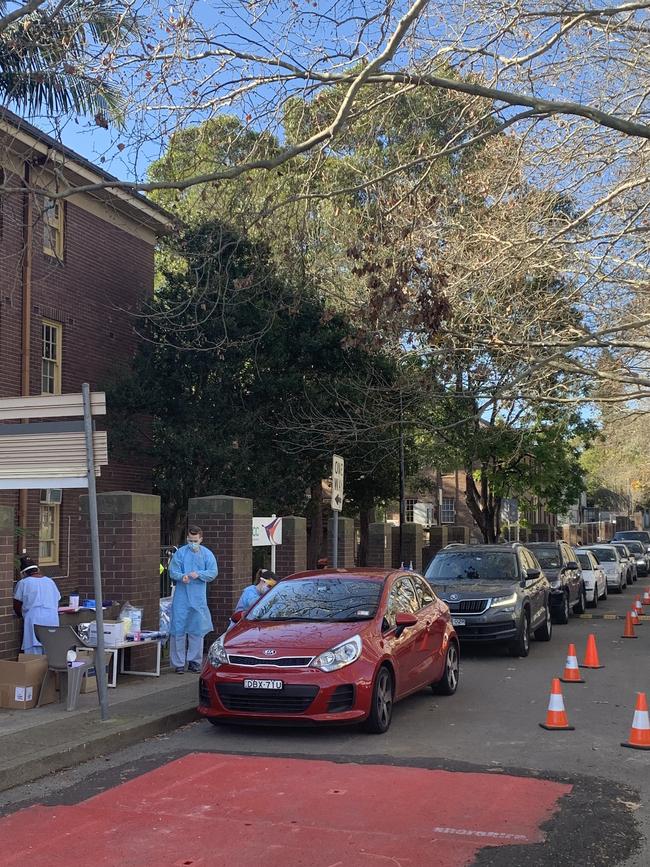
x,y
338,467
267,531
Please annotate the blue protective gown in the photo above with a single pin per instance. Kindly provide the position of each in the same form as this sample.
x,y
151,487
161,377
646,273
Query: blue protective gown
x,y
190,612
40,597
248,598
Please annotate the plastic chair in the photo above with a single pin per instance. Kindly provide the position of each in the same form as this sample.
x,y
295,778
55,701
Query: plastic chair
x,y
57,641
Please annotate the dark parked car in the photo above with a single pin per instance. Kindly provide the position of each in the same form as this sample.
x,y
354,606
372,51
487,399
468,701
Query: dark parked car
x,y
628,559
641,556
642,536
494,593
560,564
332,647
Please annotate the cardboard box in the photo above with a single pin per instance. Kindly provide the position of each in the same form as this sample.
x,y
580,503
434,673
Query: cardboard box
x,y
89,682
21,681
52,686
114,632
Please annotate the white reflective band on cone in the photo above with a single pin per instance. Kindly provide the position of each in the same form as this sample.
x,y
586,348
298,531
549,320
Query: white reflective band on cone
x,y
556,702
641,720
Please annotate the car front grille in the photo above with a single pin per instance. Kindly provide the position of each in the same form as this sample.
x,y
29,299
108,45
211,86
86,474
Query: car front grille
x,y
342,699
291,699
279,662
468,606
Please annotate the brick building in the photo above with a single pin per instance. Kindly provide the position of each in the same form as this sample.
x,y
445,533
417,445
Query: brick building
x,y
73,273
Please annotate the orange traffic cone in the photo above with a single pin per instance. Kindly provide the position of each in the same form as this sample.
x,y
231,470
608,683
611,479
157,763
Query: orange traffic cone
x,y
646,597
638,605
591,654
556,718
635,617
640,731
629,626
571,670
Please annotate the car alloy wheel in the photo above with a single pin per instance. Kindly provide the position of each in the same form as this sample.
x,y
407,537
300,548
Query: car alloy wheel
x,y
449,682
521,644
545,632
381,710
563,613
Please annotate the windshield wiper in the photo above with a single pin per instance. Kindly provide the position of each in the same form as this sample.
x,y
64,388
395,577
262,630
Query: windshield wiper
x,y
294,619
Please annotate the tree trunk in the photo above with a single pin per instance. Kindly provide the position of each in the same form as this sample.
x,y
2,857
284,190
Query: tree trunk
x,y
483,507
314,524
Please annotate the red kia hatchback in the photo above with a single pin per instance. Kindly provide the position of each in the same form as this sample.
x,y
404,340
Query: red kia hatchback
x,y
335,646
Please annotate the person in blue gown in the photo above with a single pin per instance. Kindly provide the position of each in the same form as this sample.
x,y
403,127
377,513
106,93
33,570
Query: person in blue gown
x,y
191,569
265,579
36,600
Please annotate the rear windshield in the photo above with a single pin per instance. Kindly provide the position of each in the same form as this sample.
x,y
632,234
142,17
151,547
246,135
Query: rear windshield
x,y
637,547
319,599
549,558
473,566
584,561
605,555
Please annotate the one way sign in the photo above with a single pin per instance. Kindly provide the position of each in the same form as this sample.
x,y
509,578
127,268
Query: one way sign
x,y
338,465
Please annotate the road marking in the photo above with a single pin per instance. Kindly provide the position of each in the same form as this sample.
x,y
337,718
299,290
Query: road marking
x,y
493,835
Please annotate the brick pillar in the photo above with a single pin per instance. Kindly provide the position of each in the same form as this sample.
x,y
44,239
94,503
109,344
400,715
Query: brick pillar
x,y
380,545
457,533
291,555
346,543
10,625
129,548
412,538
227,524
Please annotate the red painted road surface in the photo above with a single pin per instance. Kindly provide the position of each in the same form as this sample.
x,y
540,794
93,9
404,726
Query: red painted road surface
x,y
208,810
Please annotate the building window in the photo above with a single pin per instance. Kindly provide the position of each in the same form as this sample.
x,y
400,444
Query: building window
x,y
51,334
409,506
448,510
53,228
48,533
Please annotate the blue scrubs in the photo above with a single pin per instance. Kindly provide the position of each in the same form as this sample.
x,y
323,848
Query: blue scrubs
x,y
40,597
248,598
190,616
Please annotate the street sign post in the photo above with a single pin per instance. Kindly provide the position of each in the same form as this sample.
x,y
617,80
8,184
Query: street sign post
x,y
338,468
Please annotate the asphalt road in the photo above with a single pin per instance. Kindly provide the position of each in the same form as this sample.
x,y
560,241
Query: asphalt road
x,y
490,725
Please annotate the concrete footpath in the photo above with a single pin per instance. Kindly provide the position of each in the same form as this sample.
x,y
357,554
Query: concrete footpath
x,y
37,742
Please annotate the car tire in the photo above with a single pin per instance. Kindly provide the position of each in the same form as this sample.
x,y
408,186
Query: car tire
x,y
605,591
520,646
594,601
381,708
581,605
214,721
620,587
545,632
562,615
448,683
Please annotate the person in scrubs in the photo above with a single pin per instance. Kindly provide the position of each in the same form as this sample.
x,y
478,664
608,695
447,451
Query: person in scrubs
x,y
191,569
265,579
36,600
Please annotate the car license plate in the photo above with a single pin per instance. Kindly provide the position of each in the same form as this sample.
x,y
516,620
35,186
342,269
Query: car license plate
x,y
251,683
457,621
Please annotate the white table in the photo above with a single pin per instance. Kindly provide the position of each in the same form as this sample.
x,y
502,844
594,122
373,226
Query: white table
x,y
114,649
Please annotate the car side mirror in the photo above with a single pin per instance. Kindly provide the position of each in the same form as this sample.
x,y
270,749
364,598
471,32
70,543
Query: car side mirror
x,y
532,574
403,621
237,616
572,565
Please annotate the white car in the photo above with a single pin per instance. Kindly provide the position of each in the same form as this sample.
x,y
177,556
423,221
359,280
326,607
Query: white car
x,y
593,576
613,566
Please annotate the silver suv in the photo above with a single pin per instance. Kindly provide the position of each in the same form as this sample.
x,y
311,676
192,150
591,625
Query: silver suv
x,y
494,593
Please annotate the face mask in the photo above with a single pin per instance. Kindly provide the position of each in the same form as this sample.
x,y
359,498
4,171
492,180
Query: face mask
x,y
194,545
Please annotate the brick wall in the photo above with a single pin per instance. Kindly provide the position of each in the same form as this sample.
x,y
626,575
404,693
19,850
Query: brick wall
x,y
345,543
291,555
412,538
93,294
227,527
380,545
10,625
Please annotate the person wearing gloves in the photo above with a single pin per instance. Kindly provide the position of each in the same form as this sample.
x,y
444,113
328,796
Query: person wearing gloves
x,y
36,600
190,570
265,579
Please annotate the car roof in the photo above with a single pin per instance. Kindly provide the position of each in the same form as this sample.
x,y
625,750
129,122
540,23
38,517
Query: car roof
x,y
498,546
365,573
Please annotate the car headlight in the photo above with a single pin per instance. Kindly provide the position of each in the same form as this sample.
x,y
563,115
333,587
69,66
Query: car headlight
x,y
217,654
504,603
338,657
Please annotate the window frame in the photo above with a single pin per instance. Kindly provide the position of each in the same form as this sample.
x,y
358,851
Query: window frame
x,y
53,227
53,558
443,519
58,361
422,587
409,508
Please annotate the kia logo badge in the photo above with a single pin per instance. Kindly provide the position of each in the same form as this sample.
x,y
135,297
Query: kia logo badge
x,y
269,652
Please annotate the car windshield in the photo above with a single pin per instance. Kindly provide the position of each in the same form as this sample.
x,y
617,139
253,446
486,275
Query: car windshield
x,y
636,547
320,599
584,561
549,558
639,535
605,555
473,566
